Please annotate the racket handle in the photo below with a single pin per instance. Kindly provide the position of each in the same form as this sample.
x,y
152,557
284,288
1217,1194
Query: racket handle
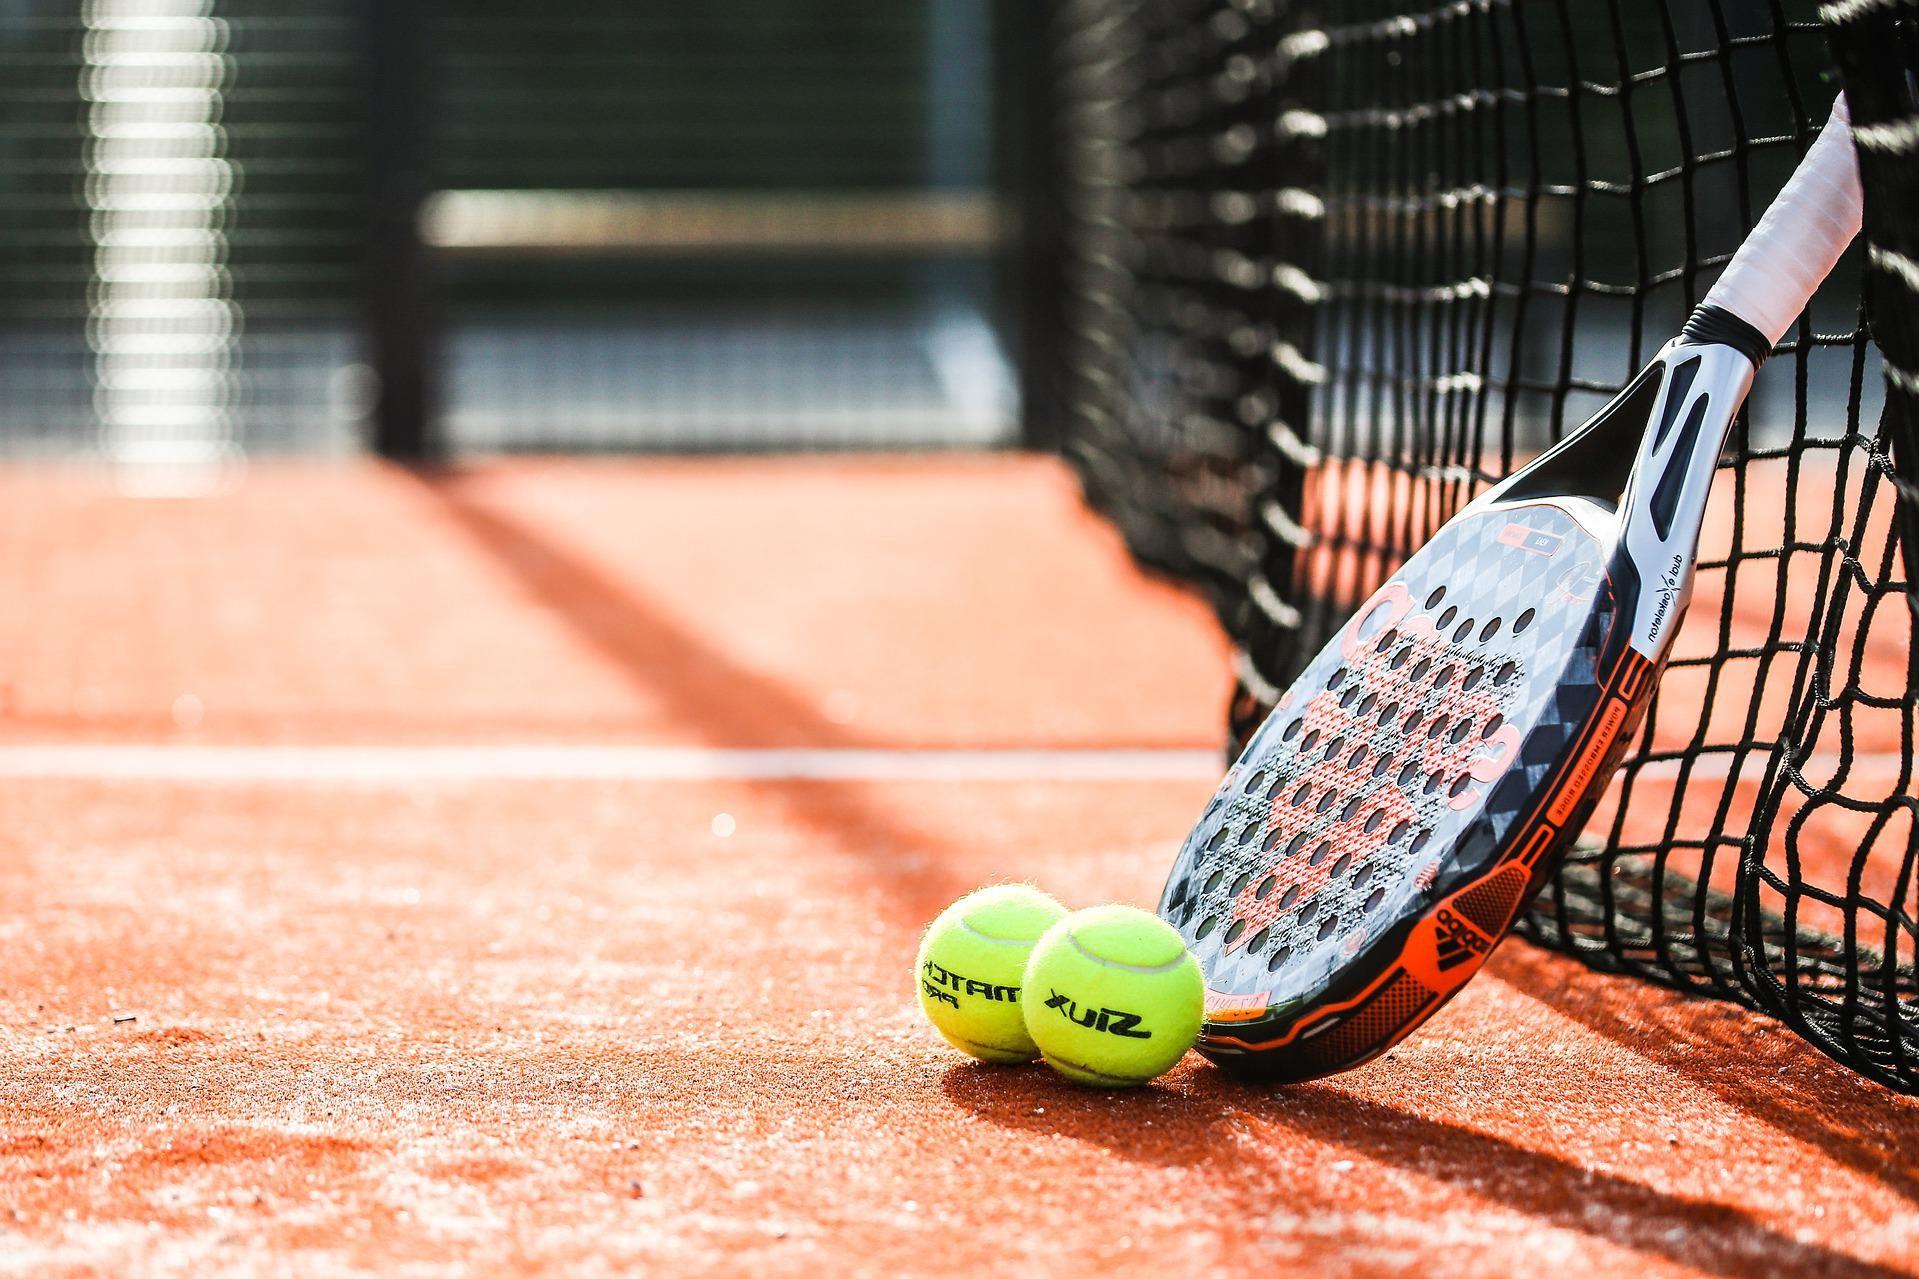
x,y
1809,224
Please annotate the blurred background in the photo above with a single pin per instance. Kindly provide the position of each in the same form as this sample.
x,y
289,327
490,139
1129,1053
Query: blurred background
x,y
241,227
244,226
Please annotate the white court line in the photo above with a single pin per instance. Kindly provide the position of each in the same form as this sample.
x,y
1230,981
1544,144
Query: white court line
x,y
400,764
537,762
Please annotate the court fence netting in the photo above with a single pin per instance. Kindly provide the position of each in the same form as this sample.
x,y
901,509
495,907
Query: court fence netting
x,y
1330,270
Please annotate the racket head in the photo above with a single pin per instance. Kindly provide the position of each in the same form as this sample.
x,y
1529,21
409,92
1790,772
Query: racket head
x,y
1413,787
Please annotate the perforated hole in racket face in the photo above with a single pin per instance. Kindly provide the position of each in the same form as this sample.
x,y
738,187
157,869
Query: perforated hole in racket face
x,y
1399,760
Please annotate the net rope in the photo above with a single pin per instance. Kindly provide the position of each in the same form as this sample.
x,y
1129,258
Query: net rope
x,y
1329,271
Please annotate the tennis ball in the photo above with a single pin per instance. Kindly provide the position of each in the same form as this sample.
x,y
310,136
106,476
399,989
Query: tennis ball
x,y
1112,996
970,963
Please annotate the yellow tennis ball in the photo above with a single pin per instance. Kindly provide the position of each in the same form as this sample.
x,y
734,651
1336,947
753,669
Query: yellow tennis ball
x,y
970,963
1112,996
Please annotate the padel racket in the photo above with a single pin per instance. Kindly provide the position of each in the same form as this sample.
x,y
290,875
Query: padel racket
x,y
1421,778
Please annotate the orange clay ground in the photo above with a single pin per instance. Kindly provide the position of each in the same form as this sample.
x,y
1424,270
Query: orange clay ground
x,y
411,1021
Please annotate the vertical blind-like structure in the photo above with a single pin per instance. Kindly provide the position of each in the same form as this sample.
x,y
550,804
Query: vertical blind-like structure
x,y
159,192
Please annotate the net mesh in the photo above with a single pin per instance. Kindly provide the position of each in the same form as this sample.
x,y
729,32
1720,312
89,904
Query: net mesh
x,y
1330,271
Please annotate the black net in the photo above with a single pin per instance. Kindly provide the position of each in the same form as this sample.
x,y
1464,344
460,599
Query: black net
x,y
1331,270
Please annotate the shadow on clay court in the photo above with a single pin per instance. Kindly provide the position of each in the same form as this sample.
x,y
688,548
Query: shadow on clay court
x,y
723,703
1201,1123
1743,1060
1714,1237
716,700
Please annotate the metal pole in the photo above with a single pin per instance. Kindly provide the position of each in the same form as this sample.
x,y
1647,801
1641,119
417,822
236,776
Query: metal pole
x,y
403,305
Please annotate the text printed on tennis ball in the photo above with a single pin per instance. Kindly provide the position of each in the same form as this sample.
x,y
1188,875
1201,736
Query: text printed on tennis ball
x,y
1111,1021
946,986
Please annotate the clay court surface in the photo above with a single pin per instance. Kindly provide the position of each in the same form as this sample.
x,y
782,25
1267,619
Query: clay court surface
x,y
424,875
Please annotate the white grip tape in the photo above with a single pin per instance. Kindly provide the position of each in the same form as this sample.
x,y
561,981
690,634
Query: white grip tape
x,y
1809,224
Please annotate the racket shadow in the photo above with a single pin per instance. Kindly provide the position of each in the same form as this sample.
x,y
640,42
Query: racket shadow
x,y
1716,1237
1197,1117
1751,1064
